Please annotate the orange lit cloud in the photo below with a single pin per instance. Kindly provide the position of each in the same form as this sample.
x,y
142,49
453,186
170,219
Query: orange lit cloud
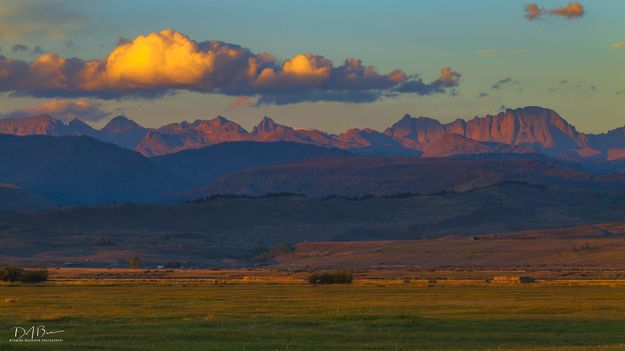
x,y
532,11
618,45
159,63
572,10
161,58
448,79
62,109
240,101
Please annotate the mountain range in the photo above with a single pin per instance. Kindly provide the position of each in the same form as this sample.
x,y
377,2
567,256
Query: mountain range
x,y
73,163
523,130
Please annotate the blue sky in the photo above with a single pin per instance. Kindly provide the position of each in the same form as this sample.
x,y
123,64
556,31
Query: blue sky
x,y
566,64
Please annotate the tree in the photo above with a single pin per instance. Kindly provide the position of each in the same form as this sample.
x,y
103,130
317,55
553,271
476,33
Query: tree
x,y
134,261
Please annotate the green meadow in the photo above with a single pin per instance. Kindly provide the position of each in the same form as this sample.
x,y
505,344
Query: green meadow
x,y
304,317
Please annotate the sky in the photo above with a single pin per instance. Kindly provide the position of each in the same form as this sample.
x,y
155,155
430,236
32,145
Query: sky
x,y
159,62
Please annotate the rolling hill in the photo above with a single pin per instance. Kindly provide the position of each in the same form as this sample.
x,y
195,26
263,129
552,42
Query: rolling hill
x,y
200,166
357,176
16,199
226,230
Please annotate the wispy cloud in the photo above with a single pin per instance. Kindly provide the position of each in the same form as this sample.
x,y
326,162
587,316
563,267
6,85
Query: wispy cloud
x,y
498,52
488,53
62,109
19,48
240,102
503,83
36,50
160,63
51,19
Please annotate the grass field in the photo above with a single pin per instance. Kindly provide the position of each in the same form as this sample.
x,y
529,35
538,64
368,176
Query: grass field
x,y
156,315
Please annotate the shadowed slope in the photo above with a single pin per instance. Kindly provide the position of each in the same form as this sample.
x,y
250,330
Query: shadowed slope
x,y
81,170
16,199
199,166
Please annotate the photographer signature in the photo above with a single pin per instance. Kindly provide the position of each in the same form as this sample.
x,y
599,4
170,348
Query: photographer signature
x,y
32,333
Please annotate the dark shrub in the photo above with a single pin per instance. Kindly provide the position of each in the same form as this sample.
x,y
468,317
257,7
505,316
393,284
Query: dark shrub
x,y
15,274
173,264
105,242
34,276
11,274
338,277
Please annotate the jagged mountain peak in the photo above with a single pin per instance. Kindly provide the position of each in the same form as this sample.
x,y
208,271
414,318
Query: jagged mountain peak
x,y
531,126
121,124
268,125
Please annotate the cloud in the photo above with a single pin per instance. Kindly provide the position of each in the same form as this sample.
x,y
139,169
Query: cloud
x,y
37,50
618,45
532,11
497,52
240,101
500,84
447,79
51,19
488,53
19,48
572,10
62,109
162,63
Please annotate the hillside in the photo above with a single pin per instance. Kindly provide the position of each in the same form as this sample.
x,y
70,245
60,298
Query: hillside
x,y
592,246
81,170
357,176
16,199
199,166
225,228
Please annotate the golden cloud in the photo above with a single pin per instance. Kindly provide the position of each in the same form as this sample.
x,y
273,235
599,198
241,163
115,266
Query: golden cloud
x,y
157,63
161,58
